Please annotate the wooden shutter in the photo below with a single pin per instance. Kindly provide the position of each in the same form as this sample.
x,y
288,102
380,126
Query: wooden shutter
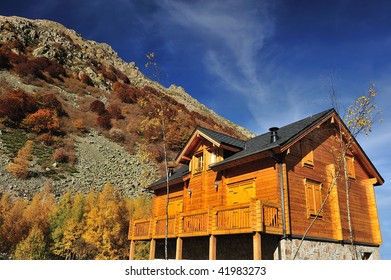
x,y
350,167
175,206
307,152
241,192
313,192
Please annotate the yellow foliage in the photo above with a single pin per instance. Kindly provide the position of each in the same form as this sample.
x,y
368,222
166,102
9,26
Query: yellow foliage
x,y
19,167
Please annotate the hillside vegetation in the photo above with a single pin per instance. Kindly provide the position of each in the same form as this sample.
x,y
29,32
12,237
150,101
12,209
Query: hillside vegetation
x,y
73,115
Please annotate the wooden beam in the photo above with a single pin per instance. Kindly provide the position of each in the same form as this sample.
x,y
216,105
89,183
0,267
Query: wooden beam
x,y
152,249
132,249
179,247
257,246
212,247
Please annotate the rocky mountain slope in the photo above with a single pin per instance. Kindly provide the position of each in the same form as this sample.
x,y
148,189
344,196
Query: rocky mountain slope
x,y
105,116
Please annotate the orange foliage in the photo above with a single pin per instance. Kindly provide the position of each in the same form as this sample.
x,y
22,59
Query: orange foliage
x,y
80,125
16,105
50,101
44,120
127,94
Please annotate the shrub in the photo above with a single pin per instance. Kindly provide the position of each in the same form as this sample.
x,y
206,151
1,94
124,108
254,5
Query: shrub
x,y
117,134
46,138
28,68
56,70
104,121
60,156
4,61
84,78
44,120
108,74
16,105
16,44
80,125
115,111
98,107
120,75
125,93
50,101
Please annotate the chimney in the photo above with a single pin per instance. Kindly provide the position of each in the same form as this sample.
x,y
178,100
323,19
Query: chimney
x,y
170,167
273,134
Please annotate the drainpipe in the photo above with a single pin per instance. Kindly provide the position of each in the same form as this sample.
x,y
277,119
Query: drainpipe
x,y
282,200
273,138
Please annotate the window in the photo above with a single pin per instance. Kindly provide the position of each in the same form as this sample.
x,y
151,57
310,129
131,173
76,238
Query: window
x,y
350,167
313,191
213,155
198,162
307,153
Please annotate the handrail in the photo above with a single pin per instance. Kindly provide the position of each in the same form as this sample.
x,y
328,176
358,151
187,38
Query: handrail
x,y
257,215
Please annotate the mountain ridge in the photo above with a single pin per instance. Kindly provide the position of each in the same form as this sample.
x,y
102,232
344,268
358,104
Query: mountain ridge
x,y
98,100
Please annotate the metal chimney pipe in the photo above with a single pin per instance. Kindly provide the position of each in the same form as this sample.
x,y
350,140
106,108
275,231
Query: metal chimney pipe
x,y
273,134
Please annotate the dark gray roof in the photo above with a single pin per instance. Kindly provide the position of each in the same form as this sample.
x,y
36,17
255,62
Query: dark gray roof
x,y
255,145
179,173
286,134
223,138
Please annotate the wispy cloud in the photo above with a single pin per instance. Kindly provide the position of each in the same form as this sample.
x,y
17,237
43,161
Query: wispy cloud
x,y
233,33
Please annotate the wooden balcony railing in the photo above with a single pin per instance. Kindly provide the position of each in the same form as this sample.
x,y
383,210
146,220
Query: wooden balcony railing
x,y
256,215
232,219
194,223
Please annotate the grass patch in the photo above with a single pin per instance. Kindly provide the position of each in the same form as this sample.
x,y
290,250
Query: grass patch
x,y
13,140
43,153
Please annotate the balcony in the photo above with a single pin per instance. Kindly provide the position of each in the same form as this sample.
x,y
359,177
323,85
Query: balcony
x,y
255,216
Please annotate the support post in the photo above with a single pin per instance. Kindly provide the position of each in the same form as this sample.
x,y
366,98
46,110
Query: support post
x,y
212,247
152,249
179,246
132,249
257,246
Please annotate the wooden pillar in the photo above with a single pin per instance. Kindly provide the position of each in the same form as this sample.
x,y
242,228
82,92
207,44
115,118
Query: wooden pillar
x,y
257,246
152,249
212,247
132,249
179,246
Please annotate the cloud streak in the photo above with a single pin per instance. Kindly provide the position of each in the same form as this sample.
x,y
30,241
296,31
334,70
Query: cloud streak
x,y
233,35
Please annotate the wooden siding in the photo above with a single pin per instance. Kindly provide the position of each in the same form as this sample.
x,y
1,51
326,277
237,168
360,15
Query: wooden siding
x,y
206,204
333,223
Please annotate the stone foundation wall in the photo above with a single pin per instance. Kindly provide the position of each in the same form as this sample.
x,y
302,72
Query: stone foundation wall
x,y
320,250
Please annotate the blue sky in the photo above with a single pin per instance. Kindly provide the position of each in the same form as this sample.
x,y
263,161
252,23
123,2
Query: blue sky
x,y
258,63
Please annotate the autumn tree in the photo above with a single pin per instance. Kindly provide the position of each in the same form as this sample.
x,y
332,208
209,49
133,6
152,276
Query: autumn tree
x,y
107,224
66,227
20,164
44,120
33,247
73,245
13,227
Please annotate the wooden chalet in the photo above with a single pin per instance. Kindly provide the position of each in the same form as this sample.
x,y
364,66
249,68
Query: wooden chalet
x,y
255,199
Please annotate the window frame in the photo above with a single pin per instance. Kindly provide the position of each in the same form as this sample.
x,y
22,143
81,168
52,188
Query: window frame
x,y
198,162
313,197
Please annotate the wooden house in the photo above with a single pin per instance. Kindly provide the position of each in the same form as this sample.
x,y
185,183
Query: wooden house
x,y
280,195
